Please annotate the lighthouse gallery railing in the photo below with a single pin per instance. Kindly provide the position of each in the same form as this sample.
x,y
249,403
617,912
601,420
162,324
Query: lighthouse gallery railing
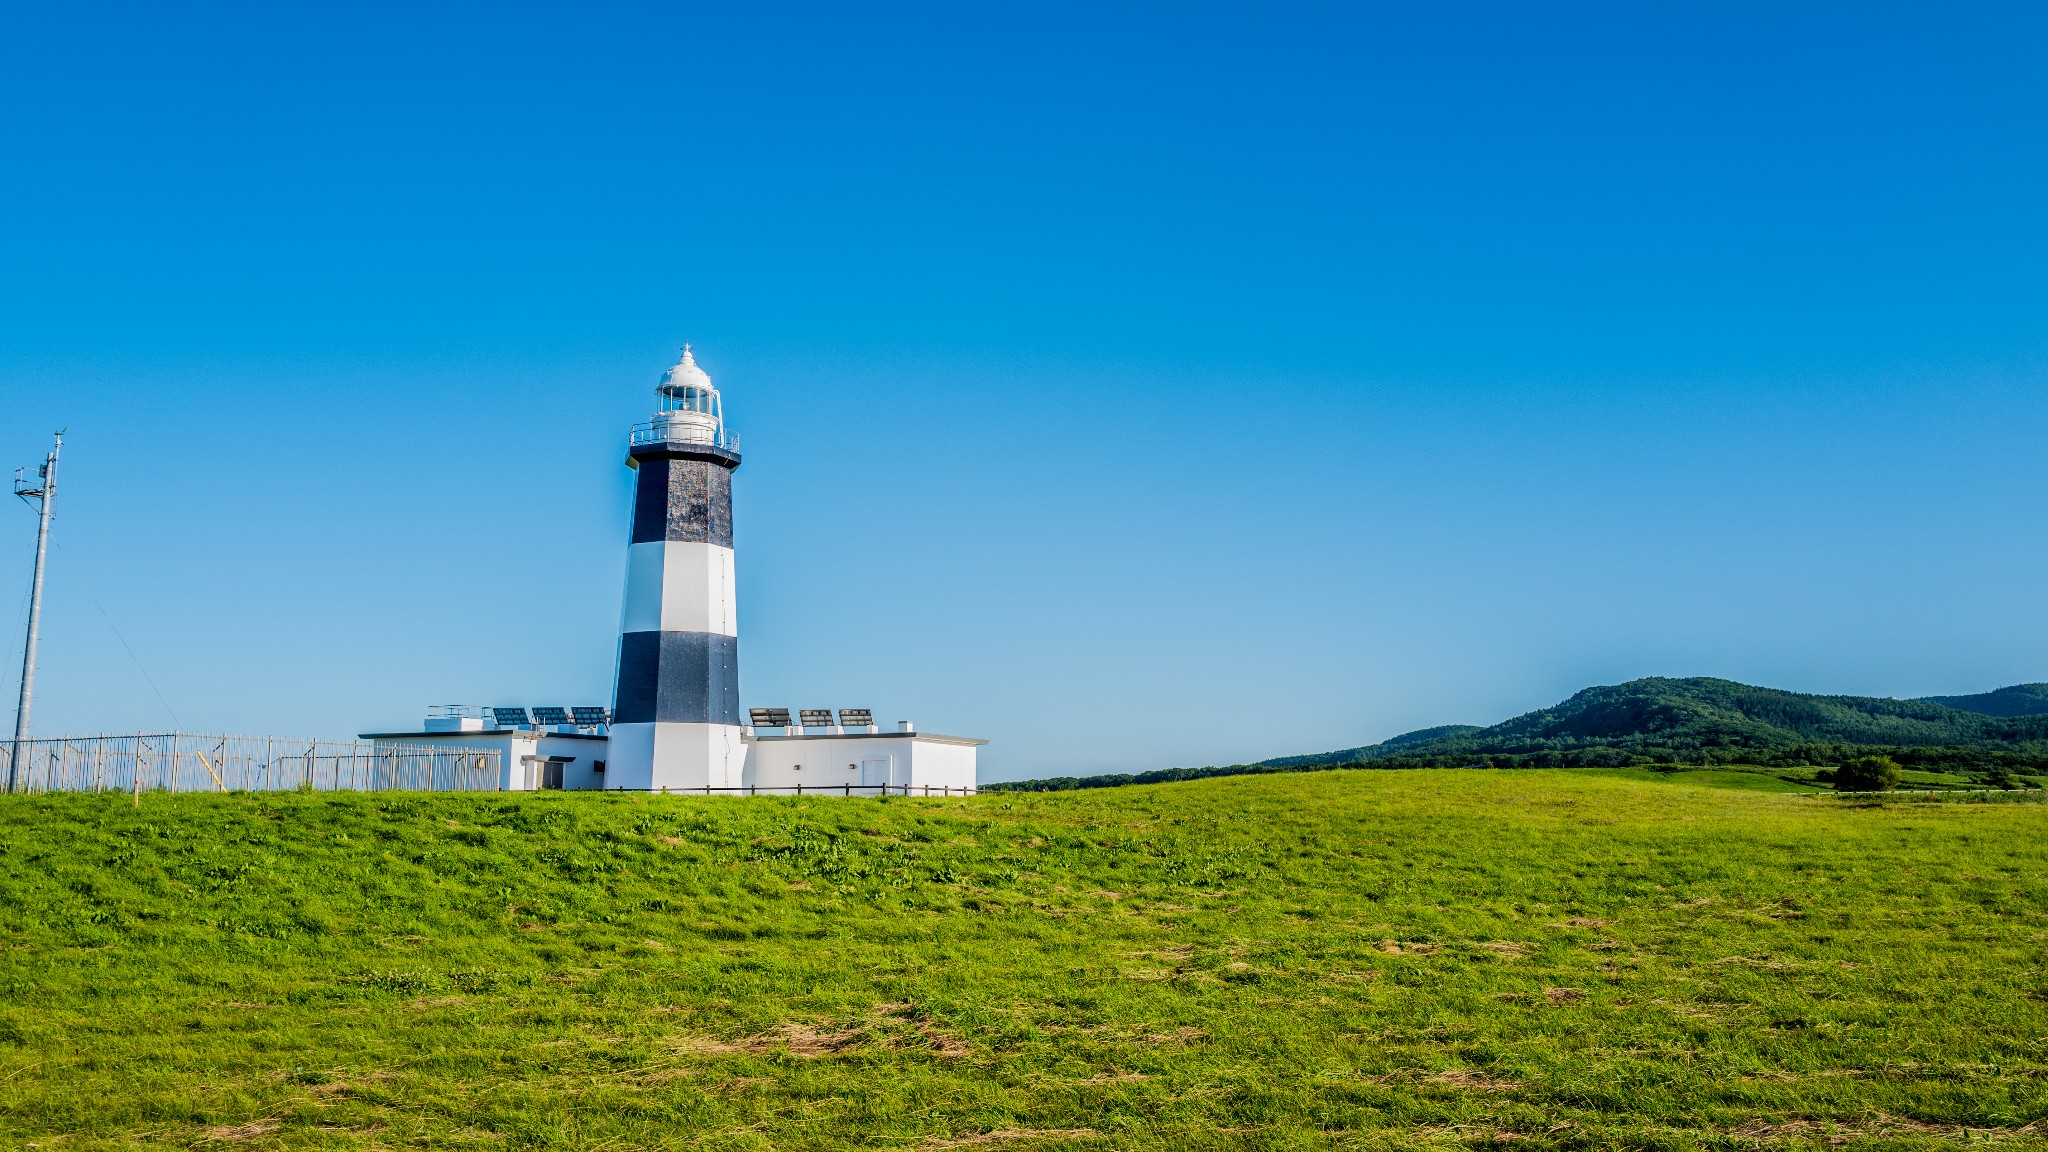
x,y
657,432
186,762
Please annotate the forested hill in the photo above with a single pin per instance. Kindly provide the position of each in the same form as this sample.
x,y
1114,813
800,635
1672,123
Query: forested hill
x,y
2018,700
1663,719
1691,721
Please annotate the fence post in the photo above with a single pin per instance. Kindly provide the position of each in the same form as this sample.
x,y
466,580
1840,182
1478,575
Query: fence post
x,y
217,785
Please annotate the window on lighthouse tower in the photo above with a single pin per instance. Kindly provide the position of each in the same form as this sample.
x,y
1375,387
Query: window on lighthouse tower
x,y
690,400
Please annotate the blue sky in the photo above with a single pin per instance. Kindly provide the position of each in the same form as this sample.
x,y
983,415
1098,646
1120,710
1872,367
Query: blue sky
x,y
1133,386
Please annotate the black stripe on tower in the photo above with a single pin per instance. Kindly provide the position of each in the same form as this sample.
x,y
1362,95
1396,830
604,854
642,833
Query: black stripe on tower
x,y
678,678
683,494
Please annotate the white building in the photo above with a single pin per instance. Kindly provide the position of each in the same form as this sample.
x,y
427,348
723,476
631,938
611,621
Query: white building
x,y
783,760
529,758
855,759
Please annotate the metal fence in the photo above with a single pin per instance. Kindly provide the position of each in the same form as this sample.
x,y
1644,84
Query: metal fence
x,y
821,790
184,762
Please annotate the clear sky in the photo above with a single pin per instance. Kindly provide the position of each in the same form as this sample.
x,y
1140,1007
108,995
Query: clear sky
x,y
1132,386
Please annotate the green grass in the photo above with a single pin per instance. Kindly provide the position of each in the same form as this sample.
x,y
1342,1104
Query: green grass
x,y
1334,960
1748,779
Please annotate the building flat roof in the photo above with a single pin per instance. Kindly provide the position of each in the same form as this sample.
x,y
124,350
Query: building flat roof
x,y
933,737
479,732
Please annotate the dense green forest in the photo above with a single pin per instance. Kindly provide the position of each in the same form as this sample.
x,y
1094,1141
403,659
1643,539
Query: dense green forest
x,y
1698,720
2017,700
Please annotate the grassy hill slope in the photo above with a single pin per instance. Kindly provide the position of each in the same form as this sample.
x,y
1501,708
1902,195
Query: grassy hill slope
x,y
1660,719
1566,959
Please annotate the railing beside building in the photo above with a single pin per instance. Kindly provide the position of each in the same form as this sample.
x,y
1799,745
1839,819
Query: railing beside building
x,y
186,762
822,790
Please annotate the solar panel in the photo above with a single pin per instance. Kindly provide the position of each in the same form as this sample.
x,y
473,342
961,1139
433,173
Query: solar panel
x,y
769,717
509,717
545,716
856,717
591,717
817,717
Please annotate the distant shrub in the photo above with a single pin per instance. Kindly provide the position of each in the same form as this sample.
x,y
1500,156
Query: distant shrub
x,y
1867,774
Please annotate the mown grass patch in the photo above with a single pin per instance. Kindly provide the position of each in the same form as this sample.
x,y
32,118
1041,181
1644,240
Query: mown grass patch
x,y
1345,959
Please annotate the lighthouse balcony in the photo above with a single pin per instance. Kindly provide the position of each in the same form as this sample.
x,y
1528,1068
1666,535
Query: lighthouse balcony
x,y
672,431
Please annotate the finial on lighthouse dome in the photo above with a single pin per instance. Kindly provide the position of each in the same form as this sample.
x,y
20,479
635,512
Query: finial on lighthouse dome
x,y
689,408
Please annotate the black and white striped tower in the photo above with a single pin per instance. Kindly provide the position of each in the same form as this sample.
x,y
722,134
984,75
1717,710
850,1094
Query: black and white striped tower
x,y
676,712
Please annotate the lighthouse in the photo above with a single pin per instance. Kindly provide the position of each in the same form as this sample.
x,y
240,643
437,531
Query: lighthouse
x,y
676,710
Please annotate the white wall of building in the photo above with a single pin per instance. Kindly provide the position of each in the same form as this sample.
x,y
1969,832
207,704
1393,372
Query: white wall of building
x,y
521,753
860,763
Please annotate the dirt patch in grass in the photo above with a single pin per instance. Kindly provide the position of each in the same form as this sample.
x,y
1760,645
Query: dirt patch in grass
x,y
804,1040
1467,1080
1007,1136
1843,1131
348,1086
237,1133
1764,963
795,1038
656,1075
942,1043
1563,995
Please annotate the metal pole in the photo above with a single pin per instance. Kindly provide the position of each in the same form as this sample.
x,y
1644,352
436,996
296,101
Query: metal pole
x,y
45,497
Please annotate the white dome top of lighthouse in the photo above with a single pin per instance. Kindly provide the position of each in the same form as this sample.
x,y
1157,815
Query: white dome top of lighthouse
x,y
685,374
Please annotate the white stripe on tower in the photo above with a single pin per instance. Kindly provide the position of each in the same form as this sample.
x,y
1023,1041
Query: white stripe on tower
x,y
676,715
678,586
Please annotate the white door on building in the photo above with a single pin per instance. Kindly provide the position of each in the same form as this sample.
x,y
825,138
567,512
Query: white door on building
x,y
874,773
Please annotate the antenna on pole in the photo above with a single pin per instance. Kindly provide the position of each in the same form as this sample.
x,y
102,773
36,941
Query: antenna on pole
x,y
42,492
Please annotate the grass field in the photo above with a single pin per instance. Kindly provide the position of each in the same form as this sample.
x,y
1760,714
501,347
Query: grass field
x,y
1330,960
